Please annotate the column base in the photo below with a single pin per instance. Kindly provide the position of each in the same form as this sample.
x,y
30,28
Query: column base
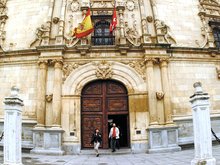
x,y
163,139
47,141
210,161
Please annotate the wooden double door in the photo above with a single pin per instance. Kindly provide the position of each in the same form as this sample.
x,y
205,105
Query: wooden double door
x,y
104,102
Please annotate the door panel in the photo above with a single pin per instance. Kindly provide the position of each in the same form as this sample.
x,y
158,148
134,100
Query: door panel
x,y
99,100
90,123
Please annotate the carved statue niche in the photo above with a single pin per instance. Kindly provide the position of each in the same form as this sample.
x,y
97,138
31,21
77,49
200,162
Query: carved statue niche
x,y
41,33
132,35
164,30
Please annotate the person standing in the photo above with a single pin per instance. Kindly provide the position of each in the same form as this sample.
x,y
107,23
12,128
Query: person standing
x,y
114,135
96,140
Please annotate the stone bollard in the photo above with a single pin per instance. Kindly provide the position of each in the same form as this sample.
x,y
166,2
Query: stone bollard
x,y
12,128
202,127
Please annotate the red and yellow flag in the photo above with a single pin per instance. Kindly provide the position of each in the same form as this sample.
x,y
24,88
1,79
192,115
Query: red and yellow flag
x,y
114,21
85,27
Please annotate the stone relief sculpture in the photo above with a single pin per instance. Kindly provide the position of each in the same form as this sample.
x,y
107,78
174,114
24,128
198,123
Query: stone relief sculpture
x,y
163,29
41,33
205,40
132,35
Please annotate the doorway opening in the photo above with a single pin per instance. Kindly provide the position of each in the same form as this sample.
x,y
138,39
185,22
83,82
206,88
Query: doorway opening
x,y
121,122
103,101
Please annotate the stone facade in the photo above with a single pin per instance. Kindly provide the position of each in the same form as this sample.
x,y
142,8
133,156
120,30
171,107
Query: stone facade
x,y
160,50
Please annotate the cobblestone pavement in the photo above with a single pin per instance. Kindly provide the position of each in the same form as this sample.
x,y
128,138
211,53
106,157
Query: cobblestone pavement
x,y
175,158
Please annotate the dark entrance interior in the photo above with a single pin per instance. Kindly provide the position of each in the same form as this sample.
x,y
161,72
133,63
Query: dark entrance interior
x,y
103,101
121,122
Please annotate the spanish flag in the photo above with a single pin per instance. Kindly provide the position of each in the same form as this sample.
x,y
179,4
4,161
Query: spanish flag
x,y
85,27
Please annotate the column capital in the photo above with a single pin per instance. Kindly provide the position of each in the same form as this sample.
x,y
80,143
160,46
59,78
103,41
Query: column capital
x,y
150,60
164,61
57,63
42,64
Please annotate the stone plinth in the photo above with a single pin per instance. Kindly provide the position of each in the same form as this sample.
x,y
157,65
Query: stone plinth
x,y
202,127
12,129
163,139
47,141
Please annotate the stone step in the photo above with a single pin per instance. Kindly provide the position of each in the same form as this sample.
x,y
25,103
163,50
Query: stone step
x,y
106,151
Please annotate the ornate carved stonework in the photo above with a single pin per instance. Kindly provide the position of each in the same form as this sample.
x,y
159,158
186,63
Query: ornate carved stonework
x,y
164,34
209,10
49,98
73,5
160,95
132,34
138,66
42,35
68,68
3,18
130,5
104,70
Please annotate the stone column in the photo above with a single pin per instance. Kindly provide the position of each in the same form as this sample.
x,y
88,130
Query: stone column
x,y
202,127
41,93
12,128
57,91
166,90
151,91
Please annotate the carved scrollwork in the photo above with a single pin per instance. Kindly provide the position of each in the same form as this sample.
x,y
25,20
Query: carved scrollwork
x,y
130,5
68,68
104,70
139,66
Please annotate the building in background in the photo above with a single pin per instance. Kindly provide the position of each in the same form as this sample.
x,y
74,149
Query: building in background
x,y
139,76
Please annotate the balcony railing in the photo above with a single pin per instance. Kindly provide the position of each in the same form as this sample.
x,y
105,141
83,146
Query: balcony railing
x,y
103,40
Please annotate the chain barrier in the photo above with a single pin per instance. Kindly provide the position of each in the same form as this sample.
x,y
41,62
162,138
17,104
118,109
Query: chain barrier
x,y
216,137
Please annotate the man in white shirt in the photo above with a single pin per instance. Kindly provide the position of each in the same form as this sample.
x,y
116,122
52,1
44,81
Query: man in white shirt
x,y
113,134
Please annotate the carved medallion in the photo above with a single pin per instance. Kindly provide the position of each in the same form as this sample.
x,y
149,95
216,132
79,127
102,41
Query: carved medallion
x,y
104,70
130,5
74,6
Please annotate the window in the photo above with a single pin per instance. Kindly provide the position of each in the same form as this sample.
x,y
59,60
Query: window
x,y
215,25
216,33
102,36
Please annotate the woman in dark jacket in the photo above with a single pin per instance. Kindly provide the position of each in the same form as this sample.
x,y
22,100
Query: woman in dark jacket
x,y
96,140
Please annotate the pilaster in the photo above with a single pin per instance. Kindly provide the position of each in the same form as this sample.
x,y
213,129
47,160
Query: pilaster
x,y
166,90
151,90
41,92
